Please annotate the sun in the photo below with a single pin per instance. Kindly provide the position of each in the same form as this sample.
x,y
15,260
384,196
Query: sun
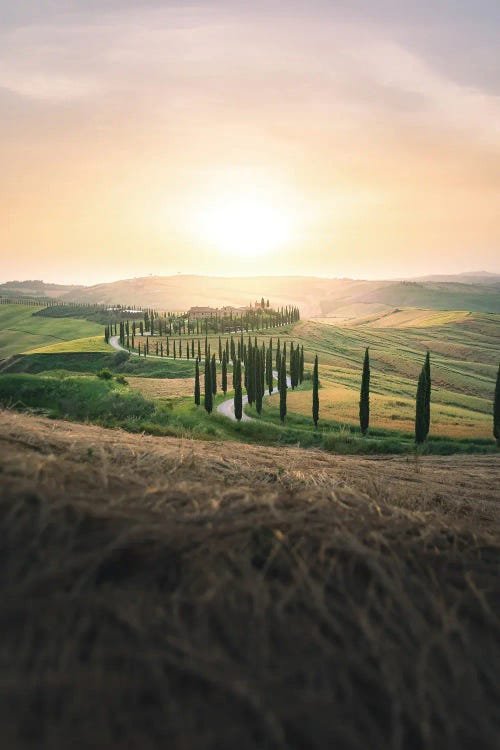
x,y
244,224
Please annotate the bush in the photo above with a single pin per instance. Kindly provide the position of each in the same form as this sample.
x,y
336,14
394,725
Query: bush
x,y
120,358
105,374
120,379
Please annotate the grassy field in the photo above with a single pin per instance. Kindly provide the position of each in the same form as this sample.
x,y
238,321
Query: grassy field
x,y
179,594
465,348
20,331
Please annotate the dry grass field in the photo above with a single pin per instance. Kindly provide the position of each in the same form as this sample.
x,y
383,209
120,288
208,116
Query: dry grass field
x,y
160,592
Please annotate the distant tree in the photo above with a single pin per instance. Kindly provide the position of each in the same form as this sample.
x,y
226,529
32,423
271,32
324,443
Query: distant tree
x,y
224,373
427,413
238,400
315,395
208,398
420,418
197,384
283,389
364,396
301,364
496,410
220,349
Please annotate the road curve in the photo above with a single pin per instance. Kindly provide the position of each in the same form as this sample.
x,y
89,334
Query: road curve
x,y
226,408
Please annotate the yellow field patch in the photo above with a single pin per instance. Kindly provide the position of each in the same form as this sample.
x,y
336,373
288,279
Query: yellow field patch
x,y
88,344
341,404
169,387
162,387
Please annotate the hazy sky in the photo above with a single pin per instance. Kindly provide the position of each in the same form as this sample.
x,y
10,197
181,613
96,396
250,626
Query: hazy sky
x,y
349,138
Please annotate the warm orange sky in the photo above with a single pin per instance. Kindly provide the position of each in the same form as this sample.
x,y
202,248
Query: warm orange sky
x,y
326,138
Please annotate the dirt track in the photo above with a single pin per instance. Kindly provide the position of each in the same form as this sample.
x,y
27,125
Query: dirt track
x,y
78,458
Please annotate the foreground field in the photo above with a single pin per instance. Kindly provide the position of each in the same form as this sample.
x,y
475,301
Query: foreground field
x,y
168,593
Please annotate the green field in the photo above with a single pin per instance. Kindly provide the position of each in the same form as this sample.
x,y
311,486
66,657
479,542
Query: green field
x,y
20,330
464,347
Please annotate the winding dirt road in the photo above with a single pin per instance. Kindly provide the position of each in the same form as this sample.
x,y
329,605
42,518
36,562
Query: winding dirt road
x,y
226,408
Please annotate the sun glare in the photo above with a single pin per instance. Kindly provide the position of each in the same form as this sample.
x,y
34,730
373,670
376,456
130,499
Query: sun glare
x,y
244,225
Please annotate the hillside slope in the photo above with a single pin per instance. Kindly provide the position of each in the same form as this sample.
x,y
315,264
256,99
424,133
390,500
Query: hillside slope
x,y
166,593
314,296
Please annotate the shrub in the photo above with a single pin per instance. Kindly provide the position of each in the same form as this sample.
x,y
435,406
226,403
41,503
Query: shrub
x,y
120,358
105,374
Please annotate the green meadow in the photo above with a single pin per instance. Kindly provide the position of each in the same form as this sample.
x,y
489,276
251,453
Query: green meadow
x,y
53,364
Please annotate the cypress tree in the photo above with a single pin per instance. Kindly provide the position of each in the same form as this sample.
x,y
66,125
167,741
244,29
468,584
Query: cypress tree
x,y
292,366
208,398
214,375
269,370
197,384
238,401
224,373
283,388
175,353
301,364
168,347
258,381
220,349
420,419
315,398
427,367
496,410
364,396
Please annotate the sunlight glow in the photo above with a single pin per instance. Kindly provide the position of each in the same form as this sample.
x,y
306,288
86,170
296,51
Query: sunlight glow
x,y
244,224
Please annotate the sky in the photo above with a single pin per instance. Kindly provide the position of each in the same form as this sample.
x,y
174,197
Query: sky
x,y
352,138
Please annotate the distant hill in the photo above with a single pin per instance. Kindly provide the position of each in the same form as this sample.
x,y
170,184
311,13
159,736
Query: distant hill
x,y
36,288
316,297
472,277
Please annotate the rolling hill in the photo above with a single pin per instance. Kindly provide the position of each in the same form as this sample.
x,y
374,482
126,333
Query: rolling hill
x,y
316,297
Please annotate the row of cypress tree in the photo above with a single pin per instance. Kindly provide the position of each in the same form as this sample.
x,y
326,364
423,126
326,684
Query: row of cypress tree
x,y
257,363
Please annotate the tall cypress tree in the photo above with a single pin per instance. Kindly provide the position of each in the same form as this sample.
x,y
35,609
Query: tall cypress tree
x,y
208,398
224,373
220,349
197,384
283,389
269,370
427,412
496,410
258,380
420,419
214,375
292,365
315,398
238,401
301,364
364,396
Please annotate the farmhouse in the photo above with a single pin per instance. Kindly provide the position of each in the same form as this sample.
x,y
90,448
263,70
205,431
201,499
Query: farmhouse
x,y
212,312
202,312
